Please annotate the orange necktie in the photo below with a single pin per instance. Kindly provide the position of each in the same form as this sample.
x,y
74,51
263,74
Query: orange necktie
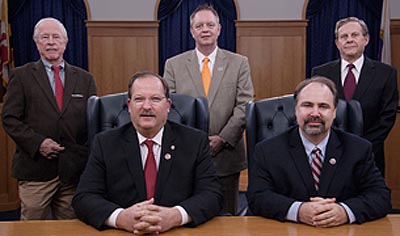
x,y
206,75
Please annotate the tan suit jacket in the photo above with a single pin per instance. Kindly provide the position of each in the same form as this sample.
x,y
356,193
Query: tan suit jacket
x,y
231,88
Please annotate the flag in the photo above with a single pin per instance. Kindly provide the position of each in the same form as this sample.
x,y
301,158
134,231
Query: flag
x,y
5,55
384,45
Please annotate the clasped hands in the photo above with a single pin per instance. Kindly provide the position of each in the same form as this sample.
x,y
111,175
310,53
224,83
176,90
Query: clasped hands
x,y
147,218
50,148
322,212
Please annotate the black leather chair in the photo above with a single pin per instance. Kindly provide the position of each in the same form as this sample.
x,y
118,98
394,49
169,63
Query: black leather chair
x,y
111,111
269,117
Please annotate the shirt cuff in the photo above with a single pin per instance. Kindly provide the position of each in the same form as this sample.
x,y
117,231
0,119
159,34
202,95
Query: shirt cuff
x,y
185,216
350,214
112,219
293,211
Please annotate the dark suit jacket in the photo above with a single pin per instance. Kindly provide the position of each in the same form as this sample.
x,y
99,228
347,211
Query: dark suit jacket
x,y
282,174
114,175
230,90
30,114
377,93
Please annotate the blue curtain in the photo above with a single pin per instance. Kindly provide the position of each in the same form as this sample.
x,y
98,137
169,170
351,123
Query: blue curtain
x,y
24,14
322,16
174,30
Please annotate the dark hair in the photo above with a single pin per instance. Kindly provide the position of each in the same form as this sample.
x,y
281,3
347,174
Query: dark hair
x,y
317,79
203,7
344,21
144,74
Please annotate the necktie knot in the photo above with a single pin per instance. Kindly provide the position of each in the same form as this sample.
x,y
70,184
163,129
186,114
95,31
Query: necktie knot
x,y
316,151
350,66
149,144
56,69
206,60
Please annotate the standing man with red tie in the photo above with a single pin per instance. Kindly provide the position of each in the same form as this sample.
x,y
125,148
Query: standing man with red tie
x,y
150,175
45,114
224,79
372,83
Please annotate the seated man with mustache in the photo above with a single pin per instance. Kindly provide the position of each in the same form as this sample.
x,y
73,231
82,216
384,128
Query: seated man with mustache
x,y
316,174
149,175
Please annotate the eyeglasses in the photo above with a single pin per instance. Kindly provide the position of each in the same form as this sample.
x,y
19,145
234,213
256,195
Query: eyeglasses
x,y
153,100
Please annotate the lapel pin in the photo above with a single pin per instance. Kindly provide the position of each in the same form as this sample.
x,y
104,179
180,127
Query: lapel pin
x,y
332,161
172,147
167,156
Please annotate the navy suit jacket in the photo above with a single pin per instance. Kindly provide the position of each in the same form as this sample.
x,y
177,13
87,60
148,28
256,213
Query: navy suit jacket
x,y
114,175
282,174
378,95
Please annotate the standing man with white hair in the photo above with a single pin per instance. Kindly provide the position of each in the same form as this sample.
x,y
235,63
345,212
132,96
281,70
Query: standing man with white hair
x,y
45,114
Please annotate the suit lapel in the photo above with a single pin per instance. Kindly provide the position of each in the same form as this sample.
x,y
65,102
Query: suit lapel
x,y
337,77
131,150
217,75
333,155
69,84
167,157
301,161
192,65
40,75
366,79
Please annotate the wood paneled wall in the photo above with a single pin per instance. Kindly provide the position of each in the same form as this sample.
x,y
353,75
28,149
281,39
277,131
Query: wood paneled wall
x,y
392,144
8,186
117,49
276,52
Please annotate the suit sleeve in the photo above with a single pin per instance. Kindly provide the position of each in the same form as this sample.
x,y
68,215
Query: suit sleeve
x,y
387,114
169,76
206,200
373,199
90,203
233,130
262,194
13,115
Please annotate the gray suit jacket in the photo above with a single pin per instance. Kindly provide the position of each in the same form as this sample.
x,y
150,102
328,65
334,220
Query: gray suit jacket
x,y
231,88
30,115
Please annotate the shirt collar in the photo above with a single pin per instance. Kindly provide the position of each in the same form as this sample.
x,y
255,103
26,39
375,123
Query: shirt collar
x,y
157,139
357,64
48,65
309,146
212,55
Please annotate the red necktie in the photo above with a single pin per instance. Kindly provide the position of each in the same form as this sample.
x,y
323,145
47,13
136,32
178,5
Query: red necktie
x,y
349,83
59,86
316,166
150,170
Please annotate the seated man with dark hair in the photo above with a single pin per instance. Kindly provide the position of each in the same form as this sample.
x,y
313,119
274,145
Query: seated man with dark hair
x,y
314,173
150,175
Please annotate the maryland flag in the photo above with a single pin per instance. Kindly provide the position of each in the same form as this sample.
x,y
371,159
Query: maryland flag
x,y
5,53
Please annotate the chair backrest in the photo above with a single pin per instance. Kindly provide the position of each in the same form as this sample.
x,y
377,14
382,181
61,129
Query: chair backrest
x,y
111,111
272,116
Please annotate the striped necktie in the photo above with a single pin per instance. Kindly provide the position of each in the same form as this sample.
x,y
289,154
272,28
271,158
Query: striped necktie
x,y
316,166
